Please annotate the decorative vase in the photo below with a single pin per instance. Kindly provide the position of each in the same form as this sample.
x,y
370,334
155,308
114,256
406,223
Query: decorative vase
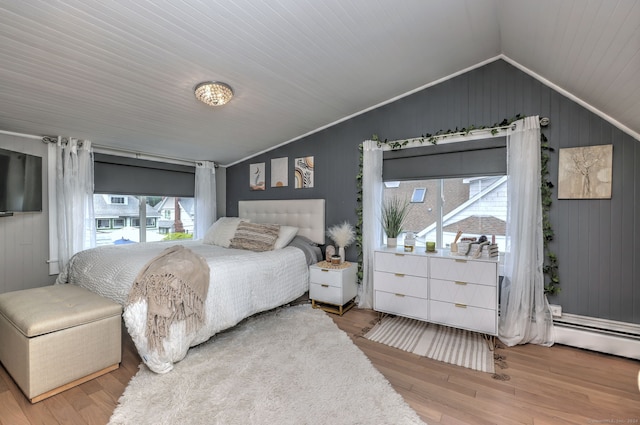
x,y
341,254
329,252
392,242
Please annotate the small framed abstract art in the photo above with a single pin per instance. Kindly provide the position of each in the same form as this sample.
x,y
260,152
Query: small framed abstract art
x,y
585,172
257,176
279,172
304,172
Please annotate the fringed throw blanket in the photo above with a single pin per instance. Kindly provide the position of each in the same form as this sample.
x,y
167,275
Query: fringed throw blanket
x,y
175,286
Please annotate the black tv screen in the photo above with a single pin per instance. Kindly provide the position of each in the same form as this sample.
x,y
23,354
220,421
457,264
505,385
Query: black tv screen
x,y
20,182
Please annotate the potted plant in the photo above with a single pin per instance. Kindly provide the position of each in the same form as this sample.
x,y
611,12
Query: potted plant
x,y
394,213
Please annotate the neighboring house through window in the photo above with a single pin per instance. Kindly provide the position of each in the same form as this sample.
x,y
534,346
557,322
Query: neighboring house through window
x,y
118,217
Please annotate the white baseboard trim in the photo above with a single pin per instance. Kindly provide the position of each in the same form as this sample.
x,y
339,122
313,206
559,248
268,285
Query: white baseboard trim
x,y
616,338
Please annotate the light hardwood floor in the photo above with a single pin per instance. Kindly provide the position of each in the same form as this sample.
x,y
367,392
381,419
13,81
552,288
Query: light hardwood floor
x,y
557,385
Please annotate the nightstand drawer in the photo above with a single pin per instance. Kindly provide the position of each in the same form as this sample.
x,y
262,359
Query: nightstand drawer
x,y
407,306
326,293
326,276
472,294
401,284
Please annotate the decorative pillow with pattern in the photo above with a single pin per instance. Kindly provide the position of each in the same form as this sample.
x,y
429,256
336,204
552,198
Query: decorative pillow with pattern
x,y
255,236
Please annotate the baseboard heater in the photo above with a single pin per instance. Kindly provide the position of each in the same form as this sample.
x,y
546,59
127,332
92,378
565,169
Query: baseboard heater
x,y
605,336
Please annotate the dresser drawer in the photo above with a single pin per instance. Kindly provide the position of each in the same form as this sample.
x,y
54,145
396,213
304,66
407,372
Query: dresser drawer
x,y
413,307
399,283
464,293
463,316
401,263
462,270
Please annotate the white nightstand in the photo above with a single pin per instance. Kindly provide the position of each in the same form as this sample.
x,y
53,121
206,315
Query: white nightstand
x,y
333,288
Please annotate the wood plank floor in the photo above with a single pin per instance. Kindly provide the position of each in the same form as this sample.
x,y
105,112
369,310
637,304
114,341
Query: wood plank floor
x,y
557,385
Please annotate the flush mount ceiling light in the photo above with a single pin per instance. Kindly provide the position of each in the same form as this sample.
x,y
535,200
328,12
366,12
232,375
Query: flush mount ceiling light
x,y
213,93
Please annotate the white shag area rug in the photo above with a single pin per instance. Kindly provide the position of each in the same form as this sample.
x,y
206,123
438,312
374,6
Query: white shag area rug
x,y
291,365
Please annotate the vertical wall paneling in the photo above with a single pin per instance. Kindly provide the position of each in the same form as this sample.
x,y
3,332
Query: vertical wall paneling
x,y
615,227
24,237
596,240
627,242
635,283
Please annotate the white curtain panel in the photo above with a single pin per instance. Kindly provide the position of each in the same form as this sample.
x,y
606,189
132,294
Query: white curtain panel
x,y
525,316
205,198
74,202
371,226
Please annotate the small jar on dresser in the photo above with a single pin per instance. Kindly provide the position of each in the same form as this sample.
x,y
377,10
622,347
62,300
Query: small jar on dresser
x,y
332,288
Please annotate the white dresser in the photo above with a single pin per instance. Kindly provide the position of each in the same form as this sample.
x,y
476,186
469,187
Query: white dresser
x,y
455,291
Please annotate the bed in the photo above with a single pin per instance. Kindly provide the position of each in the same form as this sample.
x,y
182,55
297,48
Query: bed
x,y
241,282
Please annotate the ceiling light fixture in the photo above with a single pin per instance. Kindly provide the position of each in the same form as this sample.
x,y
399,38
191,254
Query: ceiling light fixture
x,y
213,93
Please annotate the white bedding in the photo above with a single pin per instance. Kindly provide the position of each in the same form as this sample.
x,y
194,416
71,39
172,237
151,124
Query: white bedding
x,y
242,283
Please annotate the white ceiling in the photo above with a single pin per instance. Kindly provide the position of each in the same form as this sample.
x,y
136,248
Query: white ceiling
x,y
121,73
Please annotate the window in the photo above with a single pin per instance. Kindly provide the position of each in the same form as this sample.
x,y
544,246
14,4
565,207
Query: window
x,y
117,200
476,205
159,212
103,223
418,195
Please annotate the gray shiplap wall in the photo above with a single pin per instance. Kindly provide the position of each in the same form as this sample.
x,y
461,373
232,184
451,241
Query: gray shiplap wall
x,y
24,237
597,241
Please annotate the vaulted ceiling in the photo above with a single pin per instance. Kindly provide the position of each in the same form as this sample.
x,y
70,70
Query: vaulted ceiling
x,y
121,73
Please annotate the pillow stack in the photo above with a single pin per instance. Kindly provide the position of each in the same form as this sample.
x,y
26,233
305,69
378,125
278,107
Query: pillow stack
x,y
239,233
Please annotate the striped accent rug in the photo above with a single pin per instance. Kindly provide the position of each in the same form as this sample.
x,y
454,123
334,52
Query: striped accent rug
x,y
455,346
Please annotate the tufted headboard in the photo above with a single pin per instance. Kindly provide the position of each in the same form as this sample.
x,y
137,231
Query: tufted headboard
x,y
305,214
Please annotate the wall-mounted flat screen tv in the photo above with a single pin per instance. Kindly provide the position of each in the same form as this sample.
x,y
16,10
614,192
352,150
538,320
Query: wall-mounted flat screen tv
x,y
20,182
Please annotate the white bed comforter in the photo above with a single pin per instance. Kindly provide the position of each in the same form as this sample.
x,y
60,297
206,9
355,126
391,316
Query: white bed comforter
x,y
242,283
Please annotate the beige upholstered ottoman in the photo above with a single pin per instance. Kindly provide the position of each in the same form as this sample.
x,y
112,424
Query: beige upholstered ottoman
x,y
55,337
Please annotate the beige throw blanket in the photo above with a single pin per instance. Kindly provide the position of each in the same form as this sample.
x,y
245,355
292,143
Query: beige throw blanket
x,y
175,284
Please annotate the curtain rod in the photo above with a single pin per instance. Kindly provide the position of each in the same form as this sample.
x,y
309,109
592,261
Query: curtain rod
x,y
544,121
130,154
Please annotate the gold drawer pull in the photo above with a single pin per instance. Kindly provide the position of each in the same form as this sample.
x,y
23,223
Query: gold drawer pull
x,y
325,270
400,295
399,255
400,274
461,305
460,261
460,283
324,286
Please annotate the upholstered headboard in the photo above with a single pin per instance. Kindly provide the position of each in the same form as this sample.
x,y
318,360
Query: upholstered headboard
x,y
305,214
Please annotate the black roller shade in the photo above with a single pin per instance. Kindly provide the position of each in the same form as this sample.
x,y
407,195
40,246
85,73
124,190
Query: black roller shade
x,y
131,176
485,157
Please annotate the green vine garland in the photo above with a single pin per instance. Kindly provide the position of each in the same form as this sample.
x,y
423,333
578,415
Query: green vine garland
x,y
550,267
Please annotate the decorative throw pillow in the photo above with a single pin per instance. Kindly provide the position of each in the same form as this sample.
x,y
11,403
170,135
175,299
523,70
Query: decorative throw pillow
x,y
286,234
221,232
255,236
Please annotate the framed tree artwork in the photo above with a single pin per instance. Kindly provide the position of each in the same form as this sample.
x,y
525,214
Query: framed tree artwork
x,y
585,172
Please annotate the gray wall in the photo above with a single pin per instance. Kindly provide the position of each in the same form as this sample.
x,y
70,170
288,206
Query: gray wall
x,y
24,237
597,241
